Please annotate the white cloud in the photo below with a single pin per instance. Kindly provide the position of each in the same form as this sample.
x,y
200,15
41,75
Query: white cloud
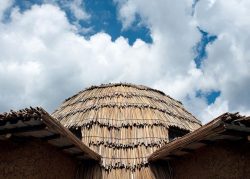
x,y
214,110
4,5
127,12
76,6
43,60
228,63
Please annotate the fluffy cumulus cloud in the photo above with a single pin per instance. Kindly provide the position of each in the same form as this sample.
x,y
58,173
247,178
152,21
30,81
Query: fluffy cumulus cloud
x,y
44,60
228,63
4,5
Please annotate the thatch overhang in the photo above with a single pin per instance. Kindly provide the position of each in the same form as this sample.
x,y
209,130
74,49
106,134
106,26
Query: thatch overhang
x,y
36,123
124,123
228,127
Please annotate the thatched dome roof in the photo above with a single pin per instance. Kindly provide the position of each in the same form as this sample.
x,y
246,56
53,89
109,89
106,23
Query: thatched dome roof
x,y
124,123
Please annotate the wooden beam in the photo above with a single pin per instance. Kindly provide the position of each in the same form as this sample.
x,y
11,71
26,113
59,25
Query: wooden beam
x,y
78,154
187,150
83,157
12,121
22,129
237,128
234,133
50,137
56,125
173,156
207,142
66,147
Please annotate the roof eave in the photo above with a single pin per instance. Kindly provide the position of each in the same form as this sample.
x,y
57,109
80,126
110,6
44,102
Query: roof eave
x,y
213,128
43,122
53,123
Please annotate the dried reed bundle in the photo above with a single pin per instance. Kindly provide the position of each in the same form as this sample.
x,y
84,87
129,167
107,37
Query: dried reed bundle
x,y
124,123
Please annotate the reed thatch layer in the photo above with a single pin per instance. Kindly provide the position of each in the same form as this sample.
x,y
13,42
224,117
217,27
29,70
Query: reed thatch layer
x,y
142,173
130,137
124,123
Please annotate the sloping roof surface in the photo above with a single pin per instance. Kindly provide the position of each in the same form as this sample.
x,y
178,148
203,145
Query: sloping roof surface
x,y
124,123
37,123
97,103
230,127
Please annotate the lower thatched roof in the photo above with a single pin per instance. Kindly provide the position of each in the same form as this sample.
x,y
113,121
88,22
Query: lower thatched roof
x,y
37,123
228,126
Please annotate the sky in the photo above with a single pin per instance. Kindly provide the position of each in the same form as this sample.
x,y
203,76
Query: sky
x,y
196,51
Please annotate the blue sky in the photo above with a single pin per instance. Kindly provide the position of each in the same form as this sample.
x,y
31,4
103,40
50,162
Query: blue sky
x,y
189,50
104,18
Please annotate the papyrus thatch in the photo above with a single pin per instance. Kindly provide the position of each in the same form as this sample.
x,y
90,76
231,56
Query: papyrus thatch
x,y
124,123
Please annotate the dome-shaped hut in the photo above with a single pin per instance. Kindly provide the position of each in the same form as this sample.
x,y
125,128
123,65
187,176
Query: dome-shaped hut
x,y
125,123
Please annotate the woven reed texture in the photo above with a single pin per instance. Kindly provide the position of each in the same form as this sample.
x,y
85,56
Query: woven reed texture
x,y
124,123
